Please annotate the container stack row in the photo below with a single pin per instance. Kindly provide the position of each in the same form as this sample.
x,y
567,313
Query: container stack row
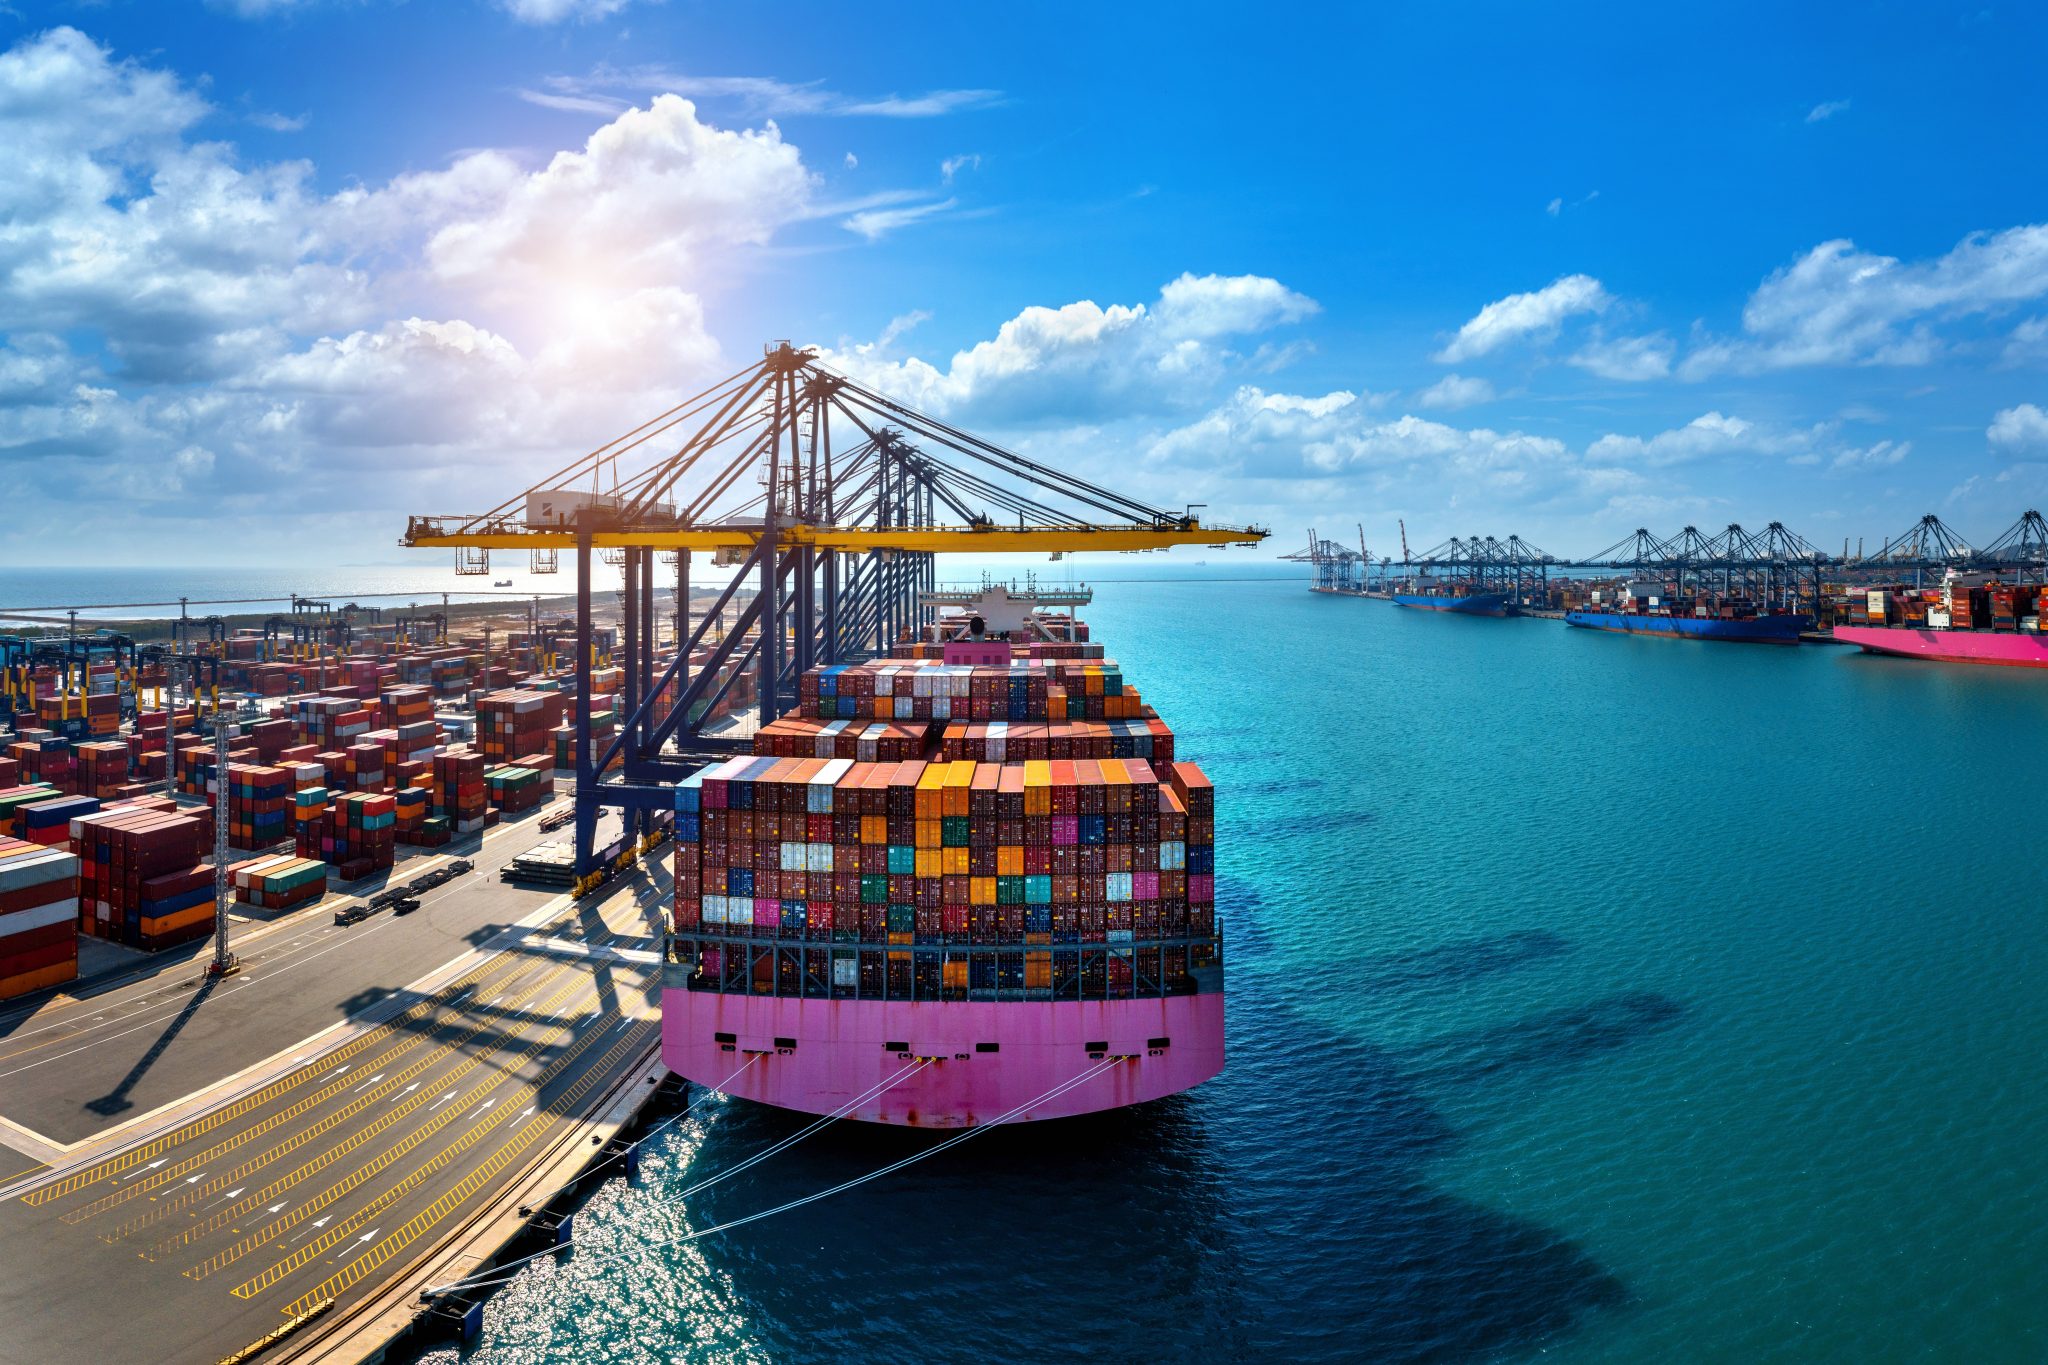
x,y
38,917
513,724
279,883
868,863
462,799
260,806
905,689
145,879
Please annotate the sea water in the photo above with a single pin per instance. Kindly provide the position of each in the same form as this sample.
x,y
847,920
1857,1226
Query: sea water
x,y
1591,998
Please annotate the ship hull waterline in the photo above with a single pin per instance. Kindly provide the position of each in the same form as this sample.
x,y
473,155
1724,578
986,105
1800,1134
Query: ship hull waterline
x,y
814,1056
1999,648
1473,604
1757,630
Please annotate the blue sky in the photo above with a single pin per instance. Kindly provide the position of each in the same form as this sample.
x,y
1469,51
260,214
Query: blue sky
x,y
275,272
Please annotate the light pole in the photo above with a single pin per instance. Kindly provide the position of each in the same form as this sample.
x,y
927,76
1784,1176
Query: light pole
x,y
223,963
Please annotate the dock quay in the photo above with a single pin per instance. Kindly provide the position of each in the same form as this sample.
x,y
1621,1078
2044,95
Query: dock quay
x,y
183,1180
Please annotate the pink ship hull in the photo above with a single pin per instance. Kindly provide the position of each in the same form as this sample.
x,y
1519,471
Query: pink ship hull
x,y
1951,646
841,1051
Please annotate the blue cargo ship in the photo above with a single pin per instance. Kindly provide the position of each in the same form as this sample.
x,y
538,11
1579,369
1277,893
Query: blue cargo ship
x,y
1468,604
1782,629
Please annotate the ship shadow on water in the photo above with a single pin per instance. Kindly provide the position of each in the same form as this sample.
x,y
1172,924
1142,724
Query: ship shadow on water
x,y
1284,1210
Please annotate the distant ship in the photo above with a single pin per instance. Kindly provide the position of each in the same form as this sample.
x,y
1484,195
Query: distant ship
x,y
1783,629
502,583
1465,604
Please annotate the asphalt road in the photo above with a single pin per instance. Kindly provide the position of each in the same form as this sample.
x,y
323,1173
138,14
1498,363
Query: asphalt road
x,y
212,1222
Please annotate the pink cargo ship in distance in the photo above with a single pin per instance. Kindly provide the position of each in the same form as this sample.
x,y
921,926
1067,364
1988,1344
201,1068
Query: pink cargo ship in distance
x,y
969,883
1973,618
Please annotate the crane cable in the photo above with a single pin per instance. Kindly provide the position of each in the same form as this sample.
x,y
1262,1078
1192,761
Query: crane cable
x,y
816,1195
841,1112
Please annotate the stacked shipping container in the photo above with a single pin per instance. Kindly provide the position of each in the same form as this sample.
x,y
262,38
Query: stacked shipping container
x,y
38,917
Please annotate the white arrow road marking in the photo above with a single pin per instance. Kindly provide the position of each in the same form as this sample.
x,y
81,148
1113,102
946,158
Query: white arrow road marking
x,y
150,1167
438,1103
229,1195
523,1118
338,1070
403,1093
367,1084
195,1179
275,1207
318,1223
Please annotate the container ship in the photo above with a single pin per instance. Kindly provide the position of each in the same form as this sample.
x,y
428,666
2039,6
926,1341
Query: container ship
x,y
1973,618
952,882
1455,600
1644,609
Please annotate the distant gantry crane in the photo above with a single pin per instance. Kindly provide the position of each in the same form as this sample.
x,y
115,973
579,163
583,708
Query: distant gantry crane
x,y
1773,566
829,502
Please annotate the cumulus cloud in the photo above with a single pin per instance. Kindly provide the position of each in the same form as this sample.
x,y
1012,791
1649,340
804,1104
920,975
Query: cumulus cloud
x,y
179,321
1716,436
1455,391
1536,315
2019,429
1083,359
1838,305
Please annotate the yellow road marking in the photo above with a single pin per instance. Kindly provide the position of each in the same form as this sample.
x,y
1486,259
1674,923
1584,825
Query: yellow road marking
x,y
356,1177
296,1140
426,1218
135,1156
477,1131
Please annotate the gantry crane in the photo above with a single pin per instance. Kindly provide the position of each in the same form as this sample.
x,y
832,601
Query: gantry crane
x,y
829,500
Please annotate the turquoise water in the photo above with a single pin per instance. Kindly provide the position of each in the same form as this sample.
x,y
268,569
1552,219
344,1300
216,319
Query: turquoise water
x,y
1592,998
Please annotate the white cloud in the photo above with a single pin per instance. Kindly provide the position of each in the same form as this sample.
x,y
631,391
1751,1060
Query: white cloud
x,y
1631,359
766,97
1082,359
1820,113
281,123
556,11
649,199
1554,207
2019,429
1712,436
953,165
852,161
607,105
1536,315
877,223
1455,391
2028,343
1837,305
409,342
1883,455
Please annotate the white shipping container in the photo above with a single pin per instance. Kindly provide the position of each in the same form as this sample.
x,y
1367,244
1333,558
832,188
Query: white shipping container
x,y
1937,618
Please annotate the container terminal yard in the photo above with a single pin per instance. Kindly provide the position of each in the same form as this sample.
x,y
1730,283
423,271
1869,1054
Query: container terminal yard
x,y
316,1001
1926,593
